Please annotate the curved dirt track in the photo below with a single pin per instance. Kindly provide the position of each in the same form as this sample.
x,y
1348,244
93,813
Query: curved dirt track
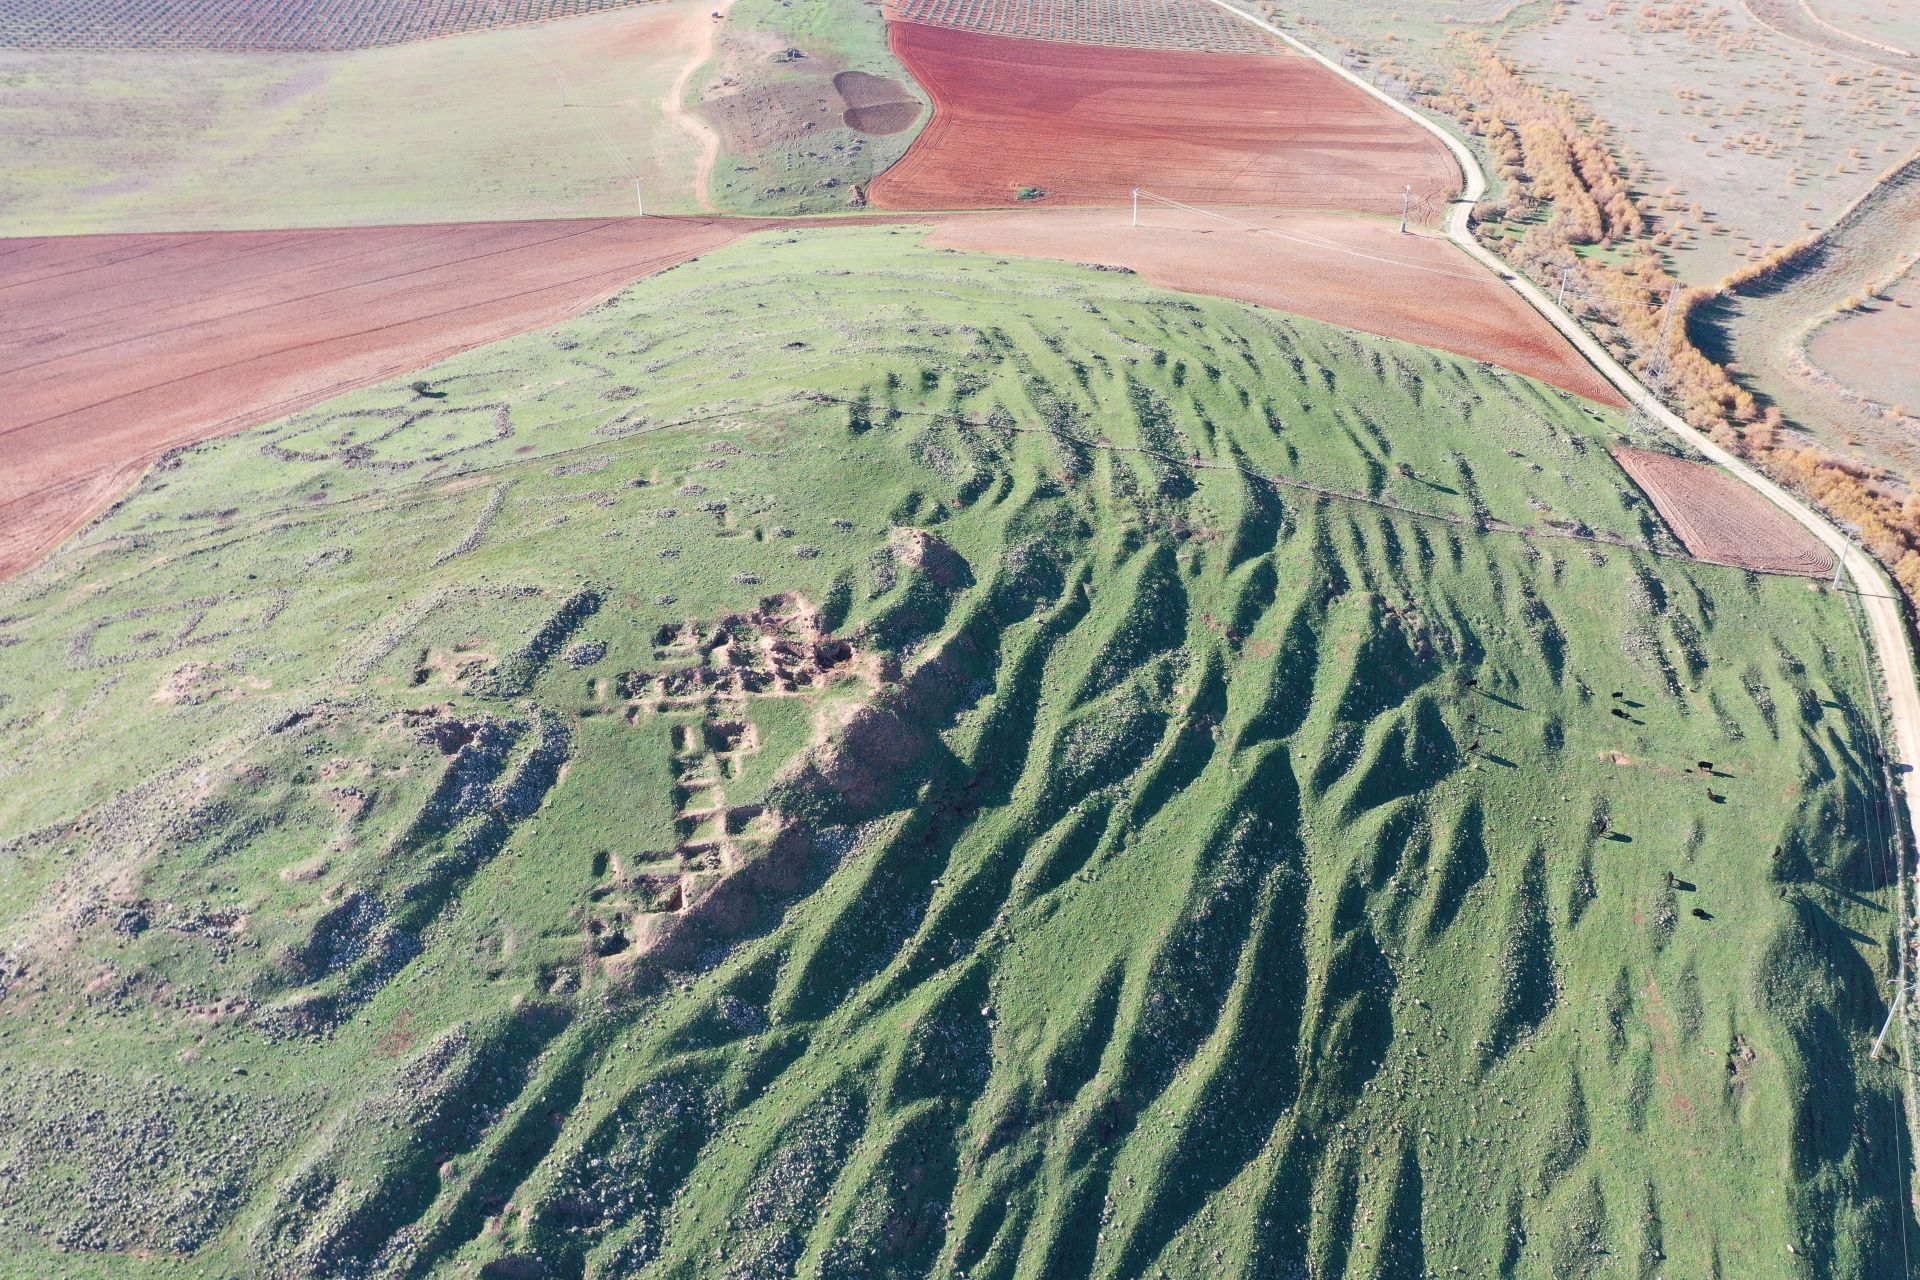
x,y
1795,20
117,348
1357,272
1761,330
674,105
1086,124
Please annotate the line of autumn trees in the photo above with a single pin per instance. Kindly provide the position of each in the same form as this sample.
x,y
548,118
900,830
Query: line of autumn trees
x,y
1564,183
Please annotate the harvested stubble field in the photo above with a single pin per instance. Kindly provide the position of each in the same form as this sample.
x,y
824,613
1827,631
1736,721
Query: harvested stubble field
x,y
1874,349
469,128
1722,519
1759,331
1133,24
865,760
1355,271
1852,37
305,26
1768,135
117,348
1891,24
1032,120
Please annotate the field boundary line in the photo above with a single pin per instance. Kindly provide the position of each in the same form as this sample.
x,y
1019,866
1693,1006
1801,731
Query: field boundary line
x,y
1795,37
1883,609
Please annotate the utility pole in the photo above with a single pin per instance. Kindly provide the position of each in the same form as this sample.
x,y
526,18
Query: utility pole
x,y
1657,367
1406,203
1880,1041
639,200
1136,206
1655,379
1560,299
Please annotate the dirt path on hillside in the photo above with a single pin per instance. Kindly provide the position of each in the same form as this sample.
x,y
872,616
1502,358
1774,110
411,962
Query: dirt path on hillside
x,y
675,106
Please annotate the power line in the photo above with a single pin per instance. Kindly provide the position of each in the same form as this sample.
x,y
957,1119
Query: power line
x,y
566,91
1311,241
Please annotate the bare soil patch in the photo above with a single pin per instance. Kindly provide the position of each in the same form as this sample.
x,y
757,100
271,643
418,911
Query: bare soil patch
x,y
1358,272
875,104
1720,518
115,349
1876,350
765,95
1035,120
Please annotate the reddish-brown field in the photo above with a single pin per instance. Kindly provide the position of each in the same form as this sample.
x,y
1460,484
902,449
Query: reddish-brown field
x,y
114,349
1085,124
1358,272
1720,518
1872,351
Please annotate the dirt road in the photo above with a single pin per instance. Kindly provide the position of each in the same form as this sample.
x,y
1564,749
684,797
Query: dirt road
x,y
675,107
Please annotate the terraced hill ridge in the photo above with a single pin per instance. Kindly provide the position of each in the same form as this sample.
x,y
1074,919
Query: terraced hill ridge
x,y
853,759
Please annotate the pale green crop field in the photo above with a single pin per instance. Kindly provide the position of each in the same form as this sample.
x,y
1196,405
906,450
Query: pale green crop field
x,y
552,120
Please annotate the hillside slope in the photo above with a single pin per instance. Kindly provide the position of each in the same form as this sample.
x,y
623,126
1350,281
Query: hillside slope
x,y
852,759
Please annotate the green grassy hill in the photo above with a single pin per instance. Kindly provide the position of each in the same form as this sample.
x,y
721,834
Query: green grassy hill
x,y
852,760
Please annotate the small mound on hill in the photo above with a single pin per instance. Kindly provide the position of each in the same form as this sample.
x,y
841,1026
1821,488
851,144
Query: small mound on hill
x,y
876,105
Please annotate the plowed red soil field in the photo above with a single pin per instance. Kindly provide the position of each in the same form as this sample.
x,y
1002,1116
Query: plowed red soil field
x,y
114,349
1358,272
1085,124
1720,518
